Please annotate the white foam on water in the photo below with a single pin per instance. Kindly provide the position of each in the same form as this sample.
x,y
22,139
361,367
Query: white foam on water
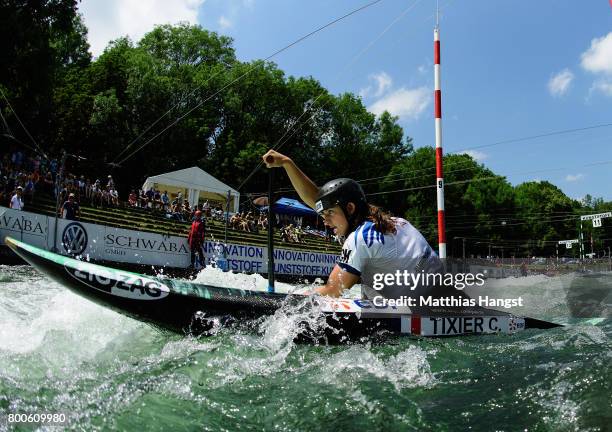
x,y
45,323
407,369
254,282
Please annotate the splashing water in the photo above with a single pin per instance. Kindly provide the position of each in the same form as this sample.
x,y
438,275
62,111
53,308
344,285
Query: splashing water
x,y
61,353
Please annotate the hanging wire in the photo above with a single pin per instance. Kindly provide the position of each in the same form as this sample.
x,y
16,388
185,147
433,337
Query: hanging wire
x,y
249,70
40,151
284,138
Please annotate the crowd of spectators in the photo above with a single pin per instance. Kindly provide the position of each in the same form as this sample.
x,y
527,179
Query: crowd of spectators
x,y
246,221
292,234
177,208
24,175
21,176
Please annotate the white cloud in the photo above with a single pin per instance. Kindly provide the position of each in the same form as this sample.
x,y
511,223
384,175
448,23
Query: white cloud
x,y
224,23
407,103
603,86
109,19
598,58
573,177
476,155
382,83
559,84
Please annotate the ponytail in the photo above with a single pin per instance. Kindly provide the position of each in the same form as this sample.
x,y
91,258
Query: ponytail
x,y
382,220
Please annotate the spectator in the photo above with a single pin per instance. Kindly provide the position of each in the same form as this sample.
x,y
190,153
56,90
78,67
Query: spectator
x,y
29,187
235,221
81,184
177,210
263,221
17,200
133,199
88,189
157,200
150,194
186,210
48,183
17,159
96,194
196,238
142,199
53,168
70,209
114,197
165,201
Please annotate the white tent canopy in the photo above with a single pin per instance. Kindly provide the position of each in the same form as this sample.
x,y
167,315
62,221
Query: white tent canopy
x,y
196,185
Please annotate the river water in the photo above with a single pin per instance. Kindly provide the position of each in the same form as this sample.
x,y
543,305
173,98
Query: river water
x,y
60,353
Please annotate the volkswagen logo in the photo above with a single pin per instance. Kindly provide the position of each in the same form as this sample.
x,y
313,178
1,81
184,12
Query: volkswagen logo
x,y
74,238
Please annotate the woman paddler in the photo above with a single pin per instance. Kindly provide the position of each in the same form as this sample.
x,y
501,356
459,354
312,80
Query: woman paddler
x,y
375,243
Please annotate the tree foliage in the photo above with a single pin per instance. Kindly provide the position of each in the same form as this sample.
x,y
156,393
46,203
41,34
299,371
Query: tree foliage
x,y
179,97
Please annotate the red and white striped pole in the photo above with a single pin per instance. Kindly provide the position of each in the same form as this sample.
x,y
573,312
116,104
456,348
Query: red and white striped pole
x,y
439,165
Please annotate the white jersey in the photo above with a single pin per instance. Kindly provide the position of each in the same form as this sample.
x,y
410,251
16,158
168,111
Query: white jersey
x,y
367,252
16,202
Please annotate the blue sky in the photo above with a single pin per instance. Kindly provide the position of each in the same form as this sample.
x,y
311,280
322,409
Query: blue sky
x,y
510,69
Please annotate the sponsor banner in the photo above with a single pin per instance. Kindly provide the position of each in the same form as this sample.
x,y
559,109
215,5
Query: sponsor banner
x,y
27,227
100,242
254,259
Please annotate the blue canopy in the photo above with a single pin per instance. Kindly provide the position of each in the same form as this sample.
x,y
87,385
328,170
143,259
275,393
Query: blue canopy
x,y
291,207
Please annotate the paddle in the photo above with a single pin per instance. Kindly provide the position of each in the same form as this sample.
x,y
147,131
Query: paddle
x,y
270,159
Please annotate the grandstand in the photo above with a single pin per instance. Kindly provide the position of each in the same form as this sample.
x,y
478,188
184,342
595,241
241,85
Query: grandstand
x,y
155,222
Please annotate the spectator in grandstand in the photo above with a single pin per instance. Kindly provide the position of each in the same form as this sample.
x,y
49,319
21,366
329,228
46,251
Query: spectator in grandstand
x,y
48,182
262,222
142,198
186,210
250,222
114,197
234,221
150,194
110,183
299,235
177,210
132,199
284,234
87,189
96,194
106,198
17,159
29,186
157,200
70,209
17,200
165,201
82,185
